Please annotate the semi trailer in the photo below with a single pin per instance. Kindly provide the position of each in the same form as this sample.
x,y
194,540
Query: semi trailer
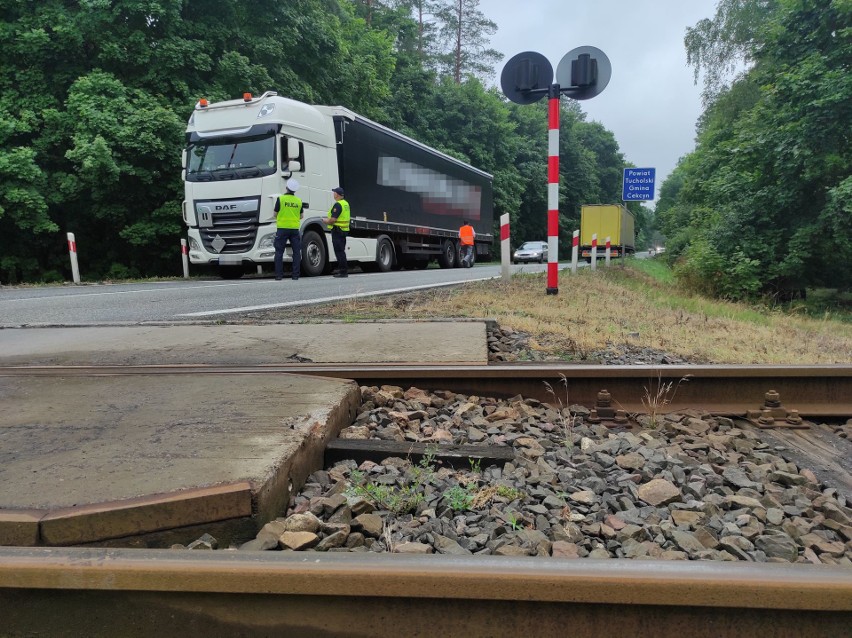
x,y
607,220
407,200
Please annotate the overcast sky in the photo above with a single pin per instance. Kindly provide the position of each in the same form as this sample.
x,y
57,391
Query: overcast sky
x,y
651,103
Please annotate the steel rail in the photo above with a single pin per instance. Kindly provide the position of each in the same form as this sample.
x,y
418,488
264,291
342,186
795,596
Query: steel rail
x,y
354,594
815,391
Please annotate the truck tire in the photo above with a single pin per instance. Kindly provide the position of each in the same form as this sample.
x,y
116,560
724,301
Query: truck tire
x,y
447,258
314,256
230,272
384,255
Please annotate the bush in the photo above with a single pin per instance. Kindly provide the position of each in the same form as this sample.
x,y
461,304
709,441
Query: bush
x,y
703,269
120,271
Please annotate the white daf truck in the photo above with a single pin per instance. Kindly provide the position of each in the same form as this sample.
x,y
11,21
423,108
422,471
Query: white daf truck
x,y
407,200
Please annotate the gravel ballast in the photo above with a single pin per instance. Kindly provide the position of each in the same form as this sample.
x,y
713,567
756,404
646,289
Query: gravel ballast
x,y
686,486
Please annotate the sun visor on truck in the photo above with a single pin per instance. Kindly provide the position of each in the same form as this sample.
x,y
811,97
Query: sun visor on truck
x,y
258,130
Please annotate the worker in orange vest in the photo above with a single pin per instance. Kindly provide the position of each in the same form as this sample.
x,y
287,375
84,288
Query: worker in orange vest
x,y
466,237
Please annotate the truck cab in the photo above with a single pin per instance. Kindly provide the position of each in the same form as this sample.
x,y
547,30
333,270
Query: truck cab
x,y
238,157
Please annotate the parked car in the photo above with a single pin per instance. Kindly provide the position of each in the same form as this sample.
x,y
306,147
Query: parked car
x,y
531,251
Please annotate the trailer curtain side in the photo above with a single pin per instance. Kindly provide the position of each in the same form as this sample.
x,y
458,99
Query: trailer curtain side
x,y
390,178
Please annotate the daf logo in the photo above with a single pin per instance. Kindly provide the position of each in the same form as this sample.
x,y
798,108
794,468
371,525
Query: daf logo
x,y
226,207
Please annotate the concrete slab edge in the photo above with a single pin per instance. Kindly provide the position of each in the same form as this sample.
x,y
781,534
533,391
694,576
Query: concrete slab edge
x,y
129,517
273,497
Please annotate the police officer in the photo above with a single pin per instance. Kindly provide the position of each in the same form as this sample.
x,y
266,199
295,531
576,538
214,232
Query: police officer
x,y
338,220
289,221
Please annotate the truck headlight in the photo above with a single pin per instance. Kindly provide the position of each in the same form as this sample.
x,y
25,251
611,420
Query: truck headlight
x,y
193,245
266,241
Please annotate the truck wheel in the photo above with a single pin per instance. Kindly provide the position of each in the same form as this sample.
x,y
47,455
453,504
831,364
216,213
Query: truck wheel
x,y
447,258
384,255
230,272
313,254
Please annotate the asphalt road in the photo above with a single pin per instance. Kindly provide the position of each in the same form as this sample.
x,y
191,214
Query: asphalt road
x,y
194,300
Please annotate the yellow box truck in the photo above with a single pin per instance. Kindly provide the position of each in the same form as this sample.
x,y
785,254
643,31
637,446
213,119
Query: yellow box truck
x,y
607,220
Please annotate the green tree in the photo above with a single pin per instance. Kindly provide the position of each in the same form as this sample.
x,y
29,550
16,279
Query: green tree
x,y
95,96
764,188
724,45
464,31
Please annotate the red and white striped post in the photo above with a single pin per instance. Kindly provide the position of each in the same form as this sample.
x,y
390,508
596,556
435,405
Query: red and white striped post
x,y
595,251
72,251
608,251
575,251
184,252
505,248
553,191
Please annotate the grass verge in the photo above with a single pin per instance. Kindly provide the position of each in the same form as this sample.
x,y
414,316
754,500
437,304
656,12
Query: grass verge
x,y
637,306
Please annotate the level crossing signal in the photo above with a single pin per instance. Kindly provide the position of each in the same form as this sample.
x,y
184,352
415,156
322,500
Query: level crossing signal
x,y
582,74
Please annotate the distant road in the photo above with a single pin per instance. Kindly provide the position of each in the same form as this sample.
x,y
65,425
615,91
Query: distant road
x,y
189,300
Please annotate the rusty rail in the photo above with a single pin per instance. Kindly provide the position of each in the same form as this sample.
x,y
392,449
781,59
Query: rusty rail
x,y
813,391
81,590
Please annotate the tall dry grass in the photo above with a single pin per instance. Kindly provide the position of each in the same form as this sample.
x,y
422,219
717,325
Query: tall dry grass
x,y
593,311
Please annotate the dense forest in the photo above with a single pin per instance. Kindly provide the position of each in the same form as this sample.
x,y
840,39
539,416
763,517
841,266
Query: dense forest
x,y
95,95
763,206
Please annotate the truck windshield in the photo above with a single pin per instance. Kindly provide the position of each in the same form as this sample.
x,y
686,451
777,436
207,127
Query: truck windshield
x,y
230,158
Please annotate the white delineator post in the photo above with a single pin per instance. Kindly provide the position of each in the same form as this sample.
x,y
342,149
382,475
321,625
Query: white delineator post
x,y
608,251
72,251
553,192
575,247
183,253
505,248
595,251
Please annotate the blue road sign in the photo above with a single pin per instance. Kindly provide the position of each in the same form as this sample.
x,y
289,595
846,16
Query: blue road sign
x,y
638,184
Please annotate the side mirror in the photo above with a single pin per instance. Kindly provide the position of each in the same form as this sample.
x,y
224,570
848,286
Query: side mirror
x,y
294,154
292,148
183,159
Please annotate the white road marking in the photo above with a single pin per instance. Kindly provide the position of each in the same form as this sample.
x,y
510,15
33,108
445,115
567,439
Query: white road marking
x,y
129,292
309,302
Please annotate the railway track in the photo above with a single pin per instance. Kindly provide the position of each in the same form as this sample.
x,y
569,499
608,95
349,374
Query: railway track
x,y
814,391
79,590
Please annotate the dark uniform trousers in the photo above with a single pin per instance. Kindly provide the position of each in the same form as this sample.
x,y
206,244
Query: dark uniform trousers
x,y
338,242
282,236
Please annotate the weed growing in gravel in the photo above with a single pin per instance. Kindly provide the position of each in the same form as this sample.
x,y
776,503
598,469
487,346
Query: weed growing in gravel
x,y
386,535
460,498
566,423
509,493
475,466
404,498
514,521
398,500
655,401
487,494
423,471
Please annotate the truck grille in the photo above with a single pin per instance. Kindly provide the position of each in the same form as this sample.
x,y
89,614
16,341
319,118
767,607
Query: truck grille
x,y
228,225
237,230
